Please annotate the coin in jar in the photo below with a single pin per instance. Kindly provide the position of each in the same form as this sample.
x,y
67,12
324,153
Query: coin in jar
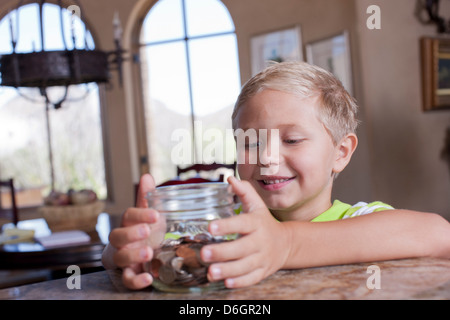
x,y
185,252
154,266
165,256
166,274
177,263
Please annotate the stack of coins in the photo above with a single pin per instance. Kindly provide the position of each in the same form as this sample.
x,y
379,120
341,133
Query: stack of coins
x,y
178,262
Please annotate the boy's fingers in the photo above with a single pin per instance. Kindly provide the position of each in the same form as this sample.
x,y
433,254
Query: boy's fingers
x,y
139,215
120,237
247,194
232,269
246,280
146,184
126,257
135,281
241,224
226,251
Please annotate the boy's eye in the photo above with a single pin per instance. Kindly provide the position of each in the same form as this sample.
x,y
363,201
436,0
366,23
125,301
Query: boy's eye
x,y
252,145
292,141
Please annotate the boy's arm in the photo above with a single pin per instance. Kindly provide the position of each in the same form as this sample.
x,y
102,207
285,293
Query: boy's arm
x,y
392,234
267,245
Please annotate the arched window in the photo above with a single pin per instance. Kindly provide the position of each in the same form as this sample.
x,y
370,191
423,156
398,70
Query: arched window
x,y
191,80
75,129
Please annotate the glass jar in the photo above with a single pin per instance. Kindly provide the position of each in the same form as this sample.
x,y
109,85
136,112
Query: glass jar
x,y
186,211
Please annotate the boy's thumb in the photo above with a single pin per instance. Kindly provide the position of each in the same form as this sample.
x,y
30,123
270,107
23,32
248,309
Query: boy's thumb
x,y
146,184
250,199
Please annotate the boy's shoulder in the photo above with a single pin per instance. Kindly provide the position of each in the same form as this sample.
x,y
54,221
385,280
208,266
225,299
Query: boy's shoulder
x,y
340,210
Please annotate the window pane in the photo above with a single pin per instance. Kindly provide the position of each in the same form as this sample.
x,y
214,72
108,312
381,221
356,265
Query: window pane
x,y
76,139
207,17
23,140
75,129
214,80
216,85
28,36
168,112
168,77
163,22
52,28
215,73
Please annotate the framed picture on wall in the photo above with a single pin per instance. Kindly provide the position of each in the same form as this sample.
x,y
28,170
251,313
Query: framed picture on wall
x,y
333,54
281,45
435,73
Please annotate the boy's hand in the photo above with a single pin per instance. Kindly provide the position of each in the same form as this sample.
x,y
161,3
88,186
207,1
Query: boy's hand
x,y
131,240
261,250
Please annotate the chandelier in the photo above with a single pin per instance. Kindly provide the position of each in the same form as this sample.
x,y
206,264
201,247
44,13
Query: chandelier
x,y
62,68
47,68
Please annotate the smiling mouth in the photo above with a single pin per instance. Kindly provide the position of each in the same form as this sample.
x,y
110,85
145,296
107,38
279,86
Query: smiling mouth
x,y
275,181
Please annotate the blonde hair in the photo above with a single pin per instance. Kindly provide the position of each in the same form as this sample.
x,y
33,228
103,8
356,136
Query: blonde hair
x,y
337,108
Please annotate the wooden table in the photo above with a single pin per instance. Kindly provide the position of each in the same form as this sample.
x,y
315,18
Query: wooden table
x,y
423,278
25,260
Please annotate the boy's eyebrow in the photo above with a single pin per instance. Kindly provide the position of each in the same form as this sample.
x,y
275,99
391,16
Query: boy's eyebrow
x,y
293,126
288,126
281,126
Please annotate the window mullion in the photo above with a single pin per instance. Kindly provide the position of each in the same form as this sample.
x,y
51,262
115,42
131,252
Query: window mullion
x,y
191,98
211,35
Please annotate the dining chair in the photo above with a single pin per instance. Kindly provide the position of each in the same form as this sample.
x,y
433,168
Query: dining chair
x,y
192,174
213,171
9,212
179,181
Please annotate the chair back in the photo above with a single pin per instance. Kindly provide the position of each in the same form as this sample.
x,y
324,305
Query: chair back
x,y
10,212
178,181
217,173
214,171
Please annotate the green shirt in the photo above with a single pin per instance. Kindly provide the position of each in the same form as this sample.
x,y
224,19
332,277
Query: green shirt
x,y
340,210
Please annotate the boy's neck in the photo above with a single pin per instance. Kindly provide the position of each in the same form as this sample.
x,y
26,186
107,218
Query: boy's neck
x,y
305,211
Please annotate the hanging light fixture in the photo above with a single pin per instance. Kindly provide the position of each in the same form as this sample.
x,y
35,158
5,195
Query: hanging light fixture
x,y
63,68
427,12
47,68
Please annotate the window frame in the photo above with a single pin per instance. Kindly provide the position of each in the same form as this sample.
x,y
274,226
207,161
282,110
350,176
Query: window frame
x,y
138,46
102,102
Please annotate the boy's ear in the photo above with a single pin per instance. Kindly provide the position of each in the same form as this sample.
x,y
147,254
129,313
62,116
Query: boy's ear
x,y
344,151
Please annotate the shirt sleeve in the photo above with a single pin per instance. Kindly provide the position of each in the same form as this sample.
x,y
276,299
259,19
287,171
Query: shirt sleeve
x,y
362,208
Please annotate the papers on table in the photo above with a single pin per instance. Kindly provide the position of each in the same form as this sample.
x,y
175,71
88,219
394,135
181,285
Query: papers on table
x,y
64,238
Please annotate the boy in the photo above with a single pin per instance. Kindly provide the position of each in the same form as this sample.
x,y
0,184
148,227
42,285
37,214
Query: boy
x,y
315,121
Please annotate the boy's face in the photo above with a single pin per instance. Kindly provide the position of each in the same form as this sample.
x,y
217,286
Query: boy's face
x,y
299,186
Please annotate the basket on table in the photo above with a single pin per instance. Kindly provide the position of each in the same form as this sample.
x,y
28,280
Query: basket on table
x,y
72,217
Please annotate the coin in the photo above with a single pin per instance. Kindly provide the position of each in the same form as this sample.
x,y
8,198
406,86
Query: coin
x,y
155,264
165,256
202,237
177,263
192,262
185,252
166,274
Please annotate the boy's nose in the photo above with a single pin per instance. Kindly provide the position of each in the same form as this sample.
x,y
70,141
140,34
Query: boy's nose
x,y
269,156
268,162
266,157
269,148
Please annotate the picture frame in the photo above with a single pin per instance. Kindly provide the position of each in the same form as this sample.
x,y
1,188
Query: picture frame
x,y
279,45
333,54
435,67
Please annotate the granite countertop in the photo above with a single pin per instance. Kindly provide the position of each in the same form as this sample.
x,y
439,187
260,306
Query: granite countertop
x,y
423,278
